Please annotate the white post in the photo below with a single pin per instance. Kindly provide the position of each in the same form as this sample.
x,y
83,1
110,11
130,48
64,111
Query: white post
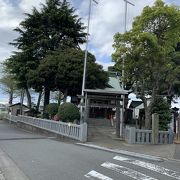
x,y
83,132
125,29
178,120
85,58
132,135
122,118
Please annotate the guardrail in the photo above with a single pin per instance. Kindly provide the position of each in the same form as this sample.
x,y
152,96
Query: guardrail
x,y
11,118
2,115
74,131
142,136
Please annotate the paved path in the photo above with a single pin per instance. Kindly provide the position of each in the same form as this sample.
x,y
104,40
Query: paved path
x,y
104,137
26,156
177,152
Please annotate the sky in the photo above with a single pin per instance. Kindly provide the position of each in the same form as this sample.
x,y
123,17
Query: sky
x,y
107,18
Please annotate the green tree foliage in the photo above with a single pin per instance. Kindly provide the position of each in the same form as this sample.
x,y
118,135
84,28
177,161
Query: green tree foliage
x,y
19,65
146,50
44,31
161,107
52,109
63,70
68,112
174,90
48,29
9,86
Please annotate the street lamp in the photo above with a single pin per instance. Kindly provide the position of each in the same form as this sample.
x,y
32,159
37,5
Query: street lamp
x,y
86,52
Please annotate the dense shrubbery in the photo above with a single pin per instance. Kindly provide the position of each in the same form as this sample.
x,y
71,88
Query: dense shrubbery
x,y
68,112
51,109
162,107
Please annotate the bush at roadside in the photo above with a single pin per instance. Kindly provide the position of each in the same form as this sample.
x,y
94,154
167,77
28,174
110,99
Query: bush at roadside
x,y
68,112
51,109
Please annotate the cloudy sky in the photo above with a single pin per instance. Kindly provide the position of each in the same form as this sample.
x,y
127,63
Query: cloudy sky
x,y
107,18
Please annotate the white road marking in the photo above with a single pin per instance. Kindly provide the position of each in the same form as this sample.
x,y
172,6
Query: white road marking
x,y
95,175
127,171
150,166
1,176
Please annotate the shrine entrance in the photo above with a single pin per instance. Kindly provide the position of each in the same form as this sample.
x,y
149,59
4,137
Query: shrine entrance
x,y
103,111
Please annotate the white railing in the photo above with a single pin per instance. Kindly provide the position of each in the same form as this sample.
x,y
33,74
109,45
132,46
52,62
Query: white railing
x,y
74,131
2,115
142,136
164,137
11,118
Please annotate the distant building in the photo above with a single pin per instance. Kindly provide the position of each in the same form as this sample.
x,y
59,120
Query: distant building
x,y
17,109
101,104
3,108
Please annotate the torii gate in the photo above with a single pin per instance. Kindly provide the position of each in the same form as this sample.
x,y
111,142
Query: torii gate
x,y
106,95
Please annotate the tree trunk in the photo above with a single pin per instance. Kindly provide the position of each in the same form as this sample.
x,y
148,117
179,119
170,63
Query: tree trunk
x,y
147,110
147,118
39,100
46,98
28,97
65,96
59,98
169,99
22,101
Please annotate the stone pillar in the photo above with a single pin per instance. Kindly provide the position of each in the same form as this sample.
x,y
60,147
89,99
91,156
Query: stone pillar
x,y
122,118
83,132
86,109
117,119
132,135
155,129
178,129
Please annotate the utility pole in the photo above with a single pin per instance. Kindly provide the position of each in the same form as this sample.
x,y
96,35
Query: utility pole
x,y
85,58
125,29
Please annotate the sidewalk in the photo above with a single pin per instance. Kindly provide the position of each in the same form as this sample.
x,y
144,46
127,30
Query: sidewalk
x,y
108,140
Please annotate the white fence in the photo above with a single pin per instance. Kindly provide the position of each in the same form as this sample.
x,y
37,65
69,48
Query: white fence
x,y
11,118
78,132
141,136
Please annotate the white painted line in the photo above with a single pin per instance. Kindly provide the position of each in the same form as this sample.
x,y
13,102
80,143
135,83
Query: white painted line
x,y
1,176
150,166
127,171
95,175
127,153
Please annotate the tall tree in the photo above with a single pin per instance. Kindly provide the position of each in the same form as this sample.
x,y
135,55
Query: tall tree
x,y
19,65
162,107
63,71
146,50
46,30
174,86
9,86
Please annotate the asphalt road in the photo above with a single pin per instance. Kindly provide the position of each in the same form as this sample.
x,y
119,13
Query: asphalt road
x,y
26,156
177,153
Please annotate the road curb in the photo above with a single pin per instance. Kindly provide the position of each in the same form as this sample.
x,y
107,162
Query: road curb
x,y
177,142
123,152
10,169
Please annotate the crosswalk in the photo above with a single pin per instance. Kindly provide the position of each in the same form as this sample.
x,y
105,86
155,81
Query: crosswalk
x,y
119,166
1,176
